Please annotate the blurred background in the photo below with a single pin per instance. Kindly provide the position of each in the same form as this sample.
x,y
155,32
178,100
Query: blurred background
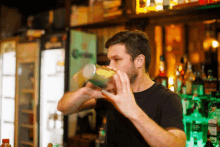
x,y
44,43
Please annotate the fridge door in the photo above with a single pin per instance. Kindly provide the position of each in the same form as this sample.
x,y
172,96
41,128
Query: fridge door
x,y
51,90
7,90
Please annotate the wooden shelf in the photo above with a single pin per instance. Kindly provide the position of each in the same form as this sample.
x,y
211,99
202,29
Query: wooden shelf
x,y
27,126
27,90
179,14
27,111
27,143
106,22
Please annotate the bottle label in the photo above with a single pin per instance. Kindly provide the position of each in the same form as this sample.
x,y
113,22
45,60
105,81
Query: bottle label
x,y
188,87
198,89
179,83
164,82
196,127
212,127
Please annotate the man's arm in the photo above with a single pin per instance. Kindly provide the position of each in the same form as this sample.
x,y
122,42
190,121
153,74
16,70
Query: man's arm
x,y
82,99
154,134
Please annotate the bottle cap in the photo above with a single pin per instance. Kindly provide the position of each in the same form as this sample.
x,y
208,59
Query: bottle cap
x,y
5,140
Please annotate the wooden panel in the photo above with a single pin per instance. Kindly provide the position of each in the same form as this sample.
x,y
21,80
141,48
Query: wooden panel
x,y
27,51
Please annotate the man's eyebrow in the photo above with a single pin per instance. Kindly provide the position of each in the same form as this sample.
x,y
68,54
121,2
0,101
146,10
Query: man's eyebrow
x,y
115,56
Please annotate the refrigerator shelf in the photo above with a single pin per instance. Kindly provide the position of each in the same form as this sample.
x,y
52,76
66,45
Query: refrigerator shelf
x,y
27,126
27,90
27,60
27,143
27,111
9,98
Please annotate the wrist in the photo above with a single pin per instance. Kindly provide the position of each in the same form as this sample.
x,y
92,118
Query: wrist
x,y
137,114
86,93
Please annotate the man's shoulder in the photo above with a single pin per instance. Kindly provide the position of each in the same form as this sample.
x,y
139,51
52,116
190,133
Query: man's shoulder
x,y
164,92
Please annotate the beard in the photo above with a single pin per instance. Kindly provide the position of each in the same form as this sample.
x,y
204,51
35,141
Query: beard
x,y
132,73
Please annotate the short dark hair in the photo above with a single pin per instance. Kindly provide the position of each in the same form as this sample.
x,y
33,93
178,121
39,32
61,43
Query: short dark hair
x,y
136,43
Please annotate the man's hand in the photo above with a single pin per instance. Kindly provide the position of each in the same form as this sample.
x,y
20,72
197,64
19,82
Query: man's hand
x,y
124,100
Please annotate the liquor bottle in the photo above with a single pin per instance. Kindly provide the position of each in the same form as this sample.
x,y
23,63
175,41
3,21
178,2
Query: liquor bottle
x,y
182,73
178,81
198,85
212,127
203,75
189,76
100,141
208,142
5,143
210,83
162,78
196,133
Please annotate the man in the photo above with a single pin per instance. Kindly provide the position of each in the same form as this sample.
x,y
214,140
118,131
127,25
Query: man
x,y
140,112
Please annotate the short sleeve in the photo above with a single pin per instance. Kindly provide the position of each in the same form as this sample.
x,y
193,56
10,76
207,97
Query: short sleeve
x,y
172,112
101,106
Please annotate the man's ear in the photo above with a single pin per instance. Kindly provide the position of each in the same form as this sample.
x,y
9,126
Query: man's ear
x,y
139,61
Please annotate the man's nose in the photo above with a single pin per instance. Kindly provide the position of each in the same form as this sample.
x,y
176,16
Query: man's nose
x,y
112,64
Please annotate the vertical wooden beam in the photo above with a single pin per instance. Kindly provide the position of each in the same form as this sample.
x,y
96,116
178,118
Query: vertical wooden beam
x,y
67,14
66,80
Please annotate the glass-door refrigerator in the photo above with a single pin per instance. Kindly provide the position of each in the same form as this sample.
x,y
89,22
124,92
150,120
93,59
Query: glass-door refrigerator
x,y
52,77
7,88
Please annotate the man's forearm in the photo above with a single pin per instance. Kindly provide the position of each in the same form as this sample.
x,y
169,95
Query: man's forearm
x,y
71,101
154,135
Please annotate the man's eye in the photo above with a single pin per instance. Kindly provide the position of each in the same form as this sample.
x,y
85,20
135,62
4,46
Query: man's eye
x,y
117,59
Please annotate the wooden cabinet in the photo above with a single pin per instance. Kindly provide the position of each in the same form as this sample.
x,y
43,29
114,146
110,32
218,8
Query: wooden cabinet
x,y
27,89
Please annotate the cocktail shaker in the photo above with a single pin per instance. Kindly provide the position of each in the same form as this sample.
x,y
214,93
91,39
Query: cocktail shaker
x,y
98,75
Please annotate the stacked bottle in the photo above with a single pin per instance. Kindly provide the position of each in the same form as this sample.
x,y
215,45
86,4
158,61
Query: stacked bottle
x,y
5,143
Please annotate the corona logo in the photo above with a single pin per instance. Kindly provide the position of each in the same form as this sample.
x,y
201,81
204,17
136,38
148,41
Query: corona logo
x,y
77,54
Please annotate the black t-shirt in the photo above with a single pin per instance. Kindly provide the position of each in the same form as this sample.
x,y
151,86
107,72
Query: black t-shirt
x,y
159,103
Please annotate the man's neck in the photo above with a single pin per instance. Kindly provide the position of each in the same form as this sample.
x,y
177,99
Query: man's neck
x,y
142,83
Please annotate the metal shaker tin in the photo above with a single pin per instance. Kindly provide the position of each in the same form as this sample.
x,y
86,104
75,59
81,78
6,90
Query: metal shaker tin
x,y
98,75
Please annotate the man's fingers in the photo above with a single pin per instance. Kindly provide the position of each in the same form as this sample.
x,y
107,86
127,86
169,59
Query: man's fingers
x,y
118,84
123,81
107,94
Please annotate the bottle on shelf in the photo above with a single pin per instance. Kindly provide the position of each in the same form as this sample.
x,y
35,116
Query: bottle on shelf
x,y
210,83
203,75
100,141
182,73
5,143
198,85
178,81
196,133
212,126
208,142
189,77
162,78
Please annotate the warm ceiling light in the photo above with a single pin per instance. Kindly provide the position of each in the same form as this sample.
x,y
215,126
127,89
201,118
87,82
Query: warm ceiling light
x,y
215,44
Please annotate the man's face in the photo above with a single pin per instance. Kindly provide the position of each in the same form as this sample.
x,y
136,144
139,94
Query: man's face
x,y
121,60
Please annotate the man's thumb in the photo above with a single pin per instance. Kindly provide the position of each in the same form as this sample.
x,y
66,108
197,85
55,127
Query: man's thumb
x,y
107,94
